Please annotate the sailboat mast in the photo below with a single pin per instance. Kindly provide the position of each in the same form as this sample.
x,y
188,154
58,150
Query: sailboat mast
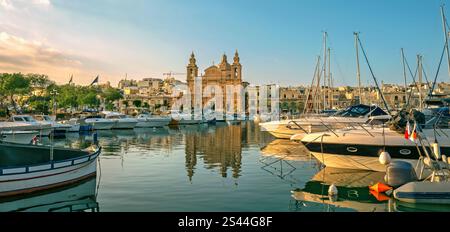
x,y
324,70
318,89
419,67
330,105
444,25
358,72
404,76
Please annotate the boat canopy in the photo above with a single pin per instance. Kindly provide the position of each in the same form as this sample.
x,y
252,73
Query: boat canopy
x,y
361,110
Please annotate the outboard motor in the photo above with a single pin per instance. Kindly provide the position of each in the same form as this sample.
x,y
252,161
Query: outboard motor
x,y
399,173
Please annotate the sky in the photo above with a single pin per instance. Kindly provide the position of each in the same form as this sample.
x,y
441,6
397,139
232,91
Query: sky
x,y
278,41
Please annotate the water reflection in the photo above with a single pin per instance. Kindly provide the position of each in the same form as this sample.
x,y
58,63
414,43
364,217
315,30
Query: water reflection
x,y
353,192
220,148
79,197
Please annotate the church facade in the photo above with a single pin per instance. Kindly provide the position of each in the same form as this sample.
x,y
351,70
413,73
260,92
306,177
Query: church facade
x,y
225,76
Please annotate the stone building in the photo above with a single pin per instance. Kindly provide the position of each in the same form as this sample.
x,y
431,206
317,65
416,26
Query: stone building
x,y
222,75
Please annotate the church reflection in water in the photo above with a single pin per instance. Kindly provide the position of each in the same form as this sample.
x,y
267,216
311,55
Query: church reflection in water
x,y
220,148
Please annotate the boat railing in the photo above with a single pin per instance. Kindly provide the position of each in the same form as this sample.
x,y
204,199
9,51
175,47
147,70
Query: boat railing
x,y
14,170
437,164
296,124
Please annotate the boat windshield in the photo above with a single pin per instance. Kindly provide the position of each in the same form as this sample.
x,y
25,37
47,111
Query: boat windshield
x,y
24,119
47,118
360,111
93,116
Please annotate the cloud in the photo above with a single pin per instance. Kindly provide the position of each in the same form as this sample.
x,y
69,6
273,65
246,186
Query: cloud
x,y
20,55
6,4
24,4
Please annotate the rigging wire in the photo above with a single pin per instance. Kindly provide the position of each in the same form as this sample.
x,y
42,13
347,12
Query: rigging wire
x,y
438,69
373,76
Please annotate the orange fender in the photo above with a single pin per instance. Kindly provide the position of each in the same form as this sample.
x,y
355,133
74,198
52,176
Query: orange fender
x,y
380,188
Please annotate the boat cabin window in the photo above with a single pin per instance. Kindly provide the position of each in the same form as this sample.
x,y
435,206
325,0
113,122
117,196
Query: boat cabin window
x,y
29,119
93,116
354,111
378,112
47,118
18,119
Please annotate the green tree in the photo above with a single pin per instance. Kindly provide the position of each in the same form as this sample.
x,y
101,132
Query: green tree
x,y
39,80
14,84
293,107
90,99
284,106
109,106
111,95
69,96
137,103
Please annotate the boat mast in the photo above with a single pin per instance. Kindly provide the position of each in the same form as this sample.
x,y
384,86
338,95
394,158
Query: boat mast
x,y
444,25
330,91
404,76
419,70
310,97
358,72
318,89
324,69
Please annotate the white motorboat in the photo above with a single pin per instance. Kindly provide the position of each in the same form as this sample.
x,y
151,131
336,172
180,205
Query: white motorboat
x,y
357,114
98,123
27,169
121,121
75,126
58,128
360,148
187,119
26,122
149,121
21,137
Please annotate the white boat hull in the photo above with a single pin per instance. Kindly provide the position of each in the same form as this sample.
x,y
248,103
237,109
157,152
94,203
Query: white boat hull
x,y
124,125
354,162
74,128
424,193
24,137
101,125
35,180
155,123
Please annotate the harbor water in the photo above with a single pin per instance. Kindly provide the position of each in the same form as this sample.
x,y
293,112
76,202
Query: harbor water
x,y
221,167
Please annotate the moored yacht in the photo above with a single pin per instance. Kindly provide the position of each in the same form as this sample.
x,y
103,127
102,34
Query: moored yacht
x,y
96,122
59,129
186,118
26,123
360,148
149,121
357,114
121,121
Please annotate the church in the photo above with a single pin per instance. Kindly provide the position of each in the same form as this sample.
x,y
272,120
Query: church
x,y
222,75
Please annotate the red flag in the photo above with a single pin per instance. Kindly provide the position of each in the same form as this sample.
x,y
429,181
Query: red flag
x,y
407,130
413,135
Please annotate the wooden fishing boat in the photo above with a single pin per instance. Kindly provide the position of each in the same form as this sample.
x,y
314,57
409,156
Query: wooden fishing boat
x,y
27,169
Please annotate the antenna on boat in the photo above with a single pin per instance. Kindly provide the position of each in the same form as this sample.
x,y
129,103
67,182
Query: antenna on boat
x,y
358,71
